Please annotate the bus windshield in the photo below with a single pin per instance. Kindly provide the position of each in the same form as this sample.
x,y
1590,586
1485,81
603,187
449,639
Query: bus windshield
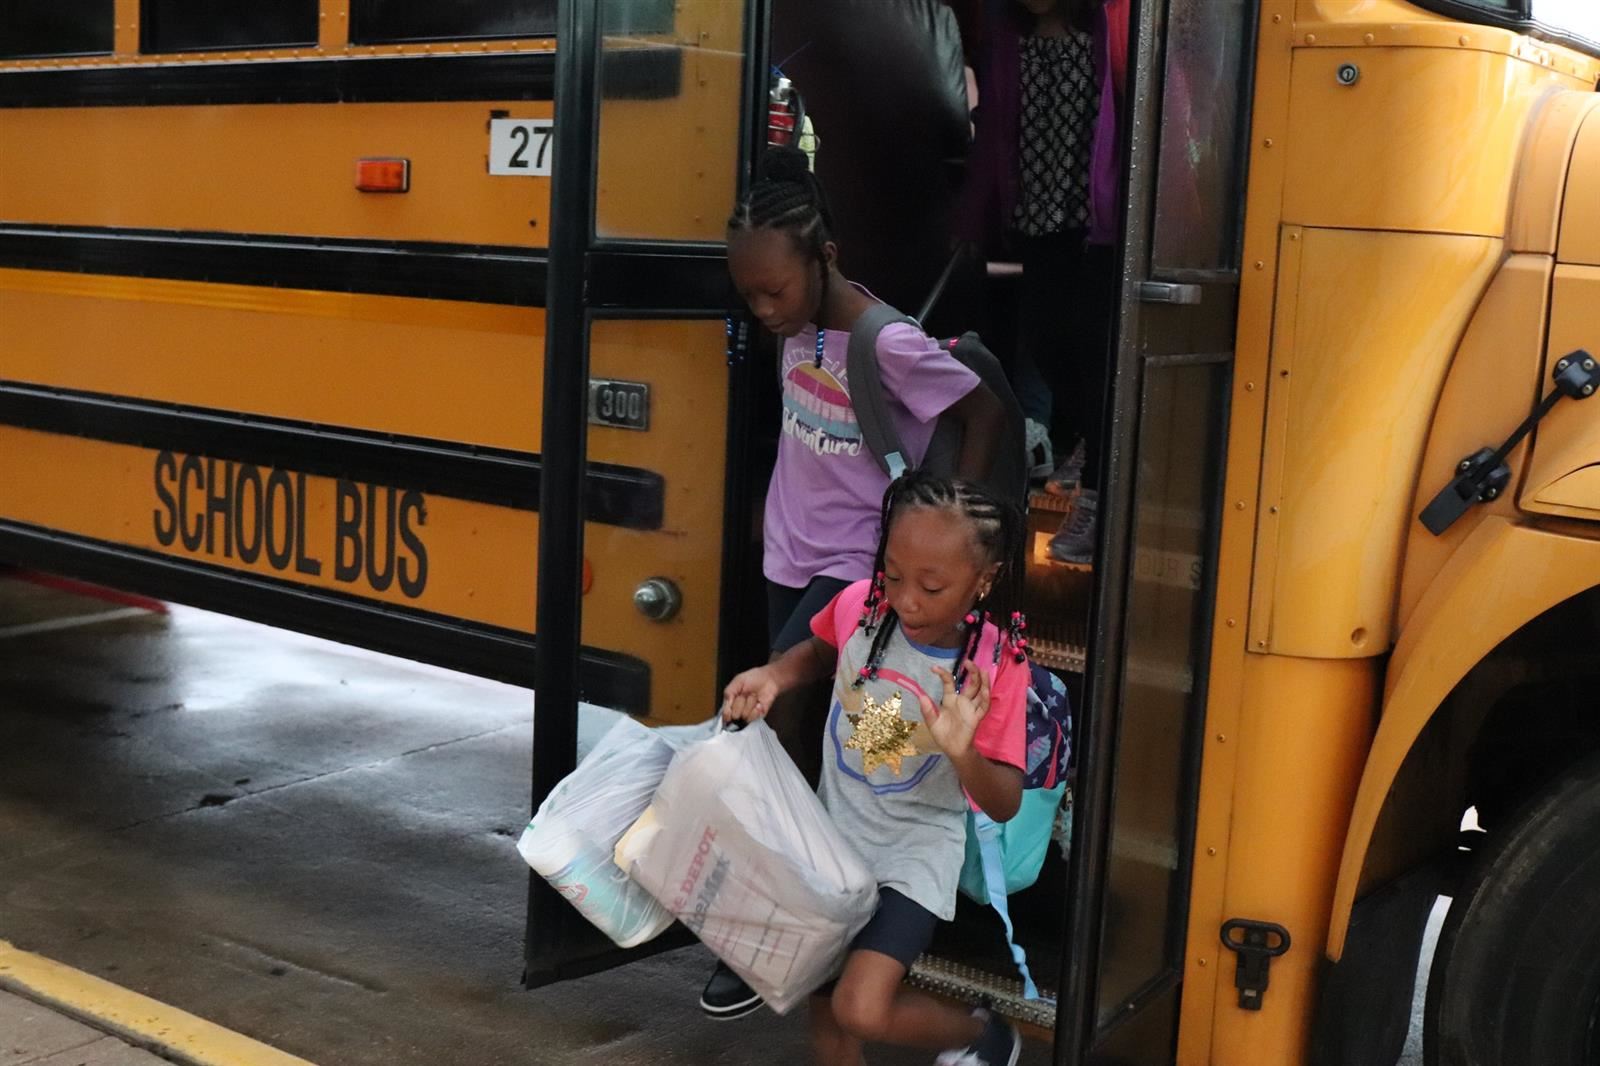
x,y
1572,22
1578,18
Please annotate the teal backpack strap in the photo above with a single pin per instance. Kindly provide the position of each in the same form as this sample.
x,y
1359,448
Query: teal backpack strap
x,y
994,879
866,389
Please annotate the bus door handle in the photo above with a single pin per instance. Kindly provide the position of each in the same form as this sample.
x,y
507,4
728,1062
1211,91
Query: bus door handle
x,y
1169,292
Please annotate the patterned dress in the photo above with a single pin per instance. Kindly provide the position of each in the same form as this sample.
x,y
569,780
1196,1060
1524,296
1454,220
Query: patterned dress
x,y
1060,103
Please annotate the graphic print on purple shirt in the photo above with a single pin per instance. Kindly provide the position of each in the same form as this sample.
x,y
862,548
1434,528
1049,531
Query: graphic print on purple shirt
x,y
826,490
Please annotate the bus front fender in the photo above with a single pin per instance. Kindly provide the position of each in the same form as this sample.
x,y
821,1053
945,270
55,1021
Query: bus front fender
x,y
1504,575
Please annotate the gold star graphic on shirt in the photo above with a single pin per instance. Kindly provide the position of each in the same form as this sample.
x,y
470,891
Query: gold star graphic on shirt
x,y
881,736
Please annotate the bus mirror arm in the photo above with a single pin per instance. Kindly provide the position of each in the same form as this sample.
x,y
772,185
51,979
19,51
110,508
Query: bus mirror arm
x,y
1484,475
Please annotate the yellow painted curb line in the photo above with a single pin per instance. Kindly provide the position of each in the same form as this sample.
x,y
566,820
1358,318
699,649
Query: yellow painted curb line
x,y
137,1019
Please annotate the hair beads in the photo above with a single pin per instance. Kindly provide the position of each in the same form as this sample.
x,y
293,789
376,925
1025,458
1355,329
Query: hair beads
x,y
997,529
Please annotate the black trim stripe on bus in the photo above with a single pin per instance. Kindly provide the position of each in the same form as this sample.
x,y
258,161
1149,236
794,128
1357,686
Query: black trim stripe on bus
x,y
652,277
615,495
634,73
607,678
497,274
390,79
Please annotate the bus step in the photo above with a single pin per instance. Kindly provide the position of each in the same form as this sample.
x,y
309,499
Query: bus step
x,y
969,984
1057,645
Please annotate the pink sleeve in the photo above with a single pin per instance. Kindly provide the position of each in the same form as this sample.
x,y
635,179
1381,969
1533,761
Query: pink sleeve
x,y
1003,734
835,622
918,372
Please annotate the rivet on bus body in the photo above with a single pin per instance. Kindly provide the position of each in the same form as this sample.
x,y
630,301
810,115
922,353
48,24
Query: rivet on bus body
x,y
1202,962
1311,38
1249,386
1267,143
1465,40
1239,506
1232,622
1222,738
1211,851
1261,644
1273,508
1261,264
1370,38
1277,18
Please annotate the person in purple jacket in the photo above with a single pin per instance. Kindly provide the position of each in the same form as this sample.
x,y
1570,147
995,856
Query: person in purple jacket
x,y
1043,174
824,501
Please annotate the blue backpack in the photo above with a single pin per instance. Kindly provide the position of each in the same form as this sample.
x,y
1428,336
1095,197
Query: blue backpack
x,y
1006,857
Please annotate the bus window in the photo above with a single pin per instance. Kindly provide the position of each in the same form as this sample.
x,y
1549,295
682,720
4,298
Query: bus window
x,y
395,21
198,26
65,28
1197,205
670,90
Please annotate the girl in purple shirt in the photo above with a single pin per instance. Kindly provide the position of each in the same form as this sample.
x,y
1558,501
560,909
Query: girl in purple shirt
x,y
824,501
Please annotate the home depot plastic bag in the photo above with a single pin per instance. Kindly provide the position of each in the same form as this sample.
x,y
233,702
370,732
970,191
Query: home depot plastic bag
x,y
739,849
572,836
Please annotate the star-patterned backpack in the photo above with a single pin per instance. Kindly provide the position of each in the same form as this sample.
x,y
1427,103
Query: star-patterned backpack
x,y
1006,857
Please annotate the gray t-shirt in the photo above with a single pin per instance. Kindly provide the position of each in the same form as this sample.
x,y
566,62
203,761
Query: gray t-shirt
x,y
886,784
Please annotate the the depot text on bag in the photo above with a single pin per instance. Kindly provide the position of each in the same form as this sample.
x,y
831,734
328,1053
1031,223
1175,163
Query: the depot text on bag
x,y
739,848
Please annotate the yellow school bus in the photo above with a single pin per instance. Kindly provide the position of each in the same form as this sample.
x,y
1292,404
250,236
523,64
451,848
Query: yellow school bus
x,y
406,325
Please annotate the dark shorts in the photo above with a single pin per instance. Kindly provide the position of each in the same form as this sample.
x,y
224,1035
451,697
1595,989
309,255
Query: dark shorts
x,y
900,928
789,610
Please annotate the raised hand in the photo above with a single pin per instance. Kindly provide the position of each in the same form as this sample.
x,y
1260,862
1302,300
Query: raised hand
x,y
954,722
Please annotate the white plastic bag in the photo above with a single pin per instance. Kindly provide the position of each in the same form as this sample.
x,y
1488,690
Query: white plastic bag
x,y
739,849
570,840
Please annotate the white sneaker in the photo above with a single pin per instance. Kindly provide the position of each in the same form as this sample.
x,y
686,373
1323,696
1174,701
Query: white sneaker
x,y
998,1045
1041,460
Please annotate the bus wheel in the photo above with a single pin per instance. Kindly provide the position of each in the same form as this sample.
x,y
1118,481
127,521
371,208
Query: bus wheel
x,y
1516,977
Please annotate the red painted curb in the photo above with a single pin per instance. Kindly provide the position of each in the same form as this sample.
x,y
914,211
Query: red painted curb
x,y
83,588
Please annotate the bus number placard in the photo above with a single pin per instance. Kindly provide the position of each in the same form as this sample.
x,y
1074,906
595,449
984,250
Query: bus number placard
x,y
620,404
521,146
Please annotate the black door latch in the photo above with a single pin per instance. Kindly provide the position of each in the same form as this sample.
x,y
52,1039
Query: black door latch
x,y
1484,475
1256,944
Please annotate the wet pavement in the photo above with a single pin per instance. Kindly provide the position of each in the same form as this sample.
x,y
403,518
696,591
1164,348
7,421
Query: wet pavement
x,y
307,844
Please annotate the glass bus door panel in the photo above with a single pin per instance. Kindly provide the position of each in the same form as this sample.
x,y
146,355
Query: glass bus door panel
x,y
669,140
1176,469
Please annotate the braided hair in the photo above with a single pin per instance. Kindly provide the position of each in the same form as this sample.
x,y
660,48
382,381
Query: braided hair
x,y
787,196
997,528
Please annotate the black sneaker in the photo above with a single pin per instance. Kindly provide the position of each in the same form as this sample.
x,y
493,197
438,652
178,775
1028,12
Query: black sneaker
x,y
727,996
998,1045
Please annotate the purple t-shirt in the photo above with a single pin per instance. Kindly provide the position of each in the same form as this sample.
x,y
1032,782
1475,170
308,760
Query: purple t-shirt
x,y
827,490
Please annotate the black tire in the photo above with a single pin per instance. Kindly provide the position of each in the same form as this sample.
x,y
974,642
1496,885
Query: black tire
x,y
1516,977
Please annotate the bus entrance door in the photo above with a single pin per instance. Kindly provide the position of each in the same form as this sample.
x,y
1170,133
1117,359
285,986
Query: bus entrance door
x,y
1173,357
640,377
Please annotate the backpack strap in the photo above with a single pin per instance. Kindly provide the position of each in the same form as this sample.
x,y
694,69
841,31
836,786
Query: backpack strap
x,y
866,389
994,880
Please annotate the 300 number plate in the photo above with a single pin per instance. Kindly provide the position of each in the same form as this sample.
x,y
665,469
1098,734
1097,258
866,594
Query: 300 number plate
x,y
621,404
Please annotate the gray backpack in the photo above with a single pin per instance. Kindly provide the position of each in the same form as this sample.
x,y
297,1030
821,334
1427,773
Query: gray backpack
x,y
1007,477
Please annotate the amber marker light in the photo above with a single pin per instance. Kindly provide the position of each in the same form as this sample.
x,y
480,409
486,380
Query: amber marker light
x,y
383,175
